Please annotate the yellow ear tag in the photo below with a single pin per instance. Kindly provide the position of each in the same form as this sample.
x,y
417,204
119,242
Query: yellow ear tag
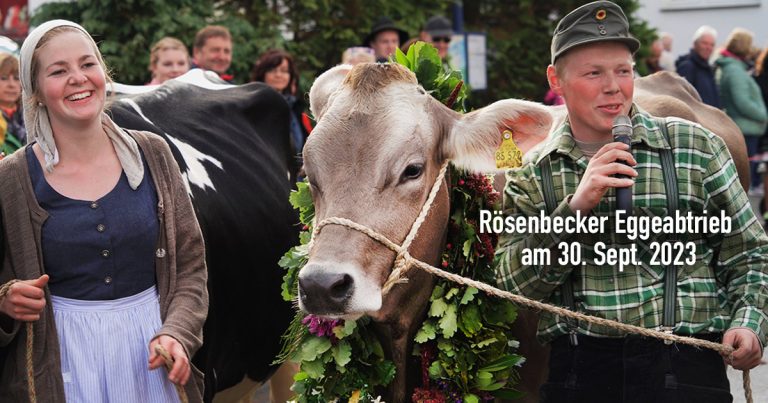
x,y
355,397
508,155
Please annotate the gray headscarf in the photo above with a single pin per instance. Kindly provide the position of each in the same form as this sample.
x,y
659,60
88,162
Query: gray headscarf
x,y
39,125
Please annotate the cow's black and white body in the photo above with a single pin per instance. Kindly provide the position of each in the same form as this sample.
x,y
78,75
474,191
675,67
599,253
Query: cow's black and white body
x,y
232,145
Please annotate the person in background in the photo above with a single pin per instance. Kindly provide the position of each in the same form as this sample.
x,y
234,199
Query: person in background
x,y
358,54
551,98
212,50
695,66
751,59
168,59
718,292
277,69
407,45
667,60
761,77
740,96
384,38
653,59
439,31
103,252
13,134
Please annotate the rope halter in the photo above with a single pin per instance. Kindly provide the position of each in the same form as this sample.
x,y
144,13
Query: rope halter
x,y
403,260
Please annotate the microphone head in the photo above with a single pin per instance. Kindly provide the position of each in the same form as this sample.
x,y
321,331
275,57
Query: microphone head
x,y
622,126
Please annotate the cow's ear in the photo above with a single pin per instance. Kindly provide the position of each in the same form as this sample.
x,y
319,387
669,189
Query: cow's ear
x,y
474,138
324,87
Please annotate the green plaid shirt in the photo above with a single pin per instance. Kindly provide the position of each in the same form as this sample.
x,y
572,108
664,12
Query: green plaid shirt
x,y
727,287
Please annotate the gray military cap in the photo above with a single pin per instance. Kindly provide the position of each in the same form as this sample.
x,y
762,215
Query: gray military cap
x,y
598,21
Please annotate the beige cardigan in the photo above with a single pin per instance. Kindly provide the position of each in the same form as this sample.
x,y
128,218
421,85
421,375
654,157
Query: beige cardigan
x,y
179,265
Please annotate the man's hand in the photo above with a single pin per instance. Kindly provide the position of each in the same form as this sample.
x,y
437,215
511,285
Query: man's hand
x,y
181,368
25,299
747,350
599,176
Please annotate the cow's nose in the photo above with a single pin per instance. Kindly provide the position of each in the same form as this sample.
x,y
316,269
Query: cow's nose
x,y
325,292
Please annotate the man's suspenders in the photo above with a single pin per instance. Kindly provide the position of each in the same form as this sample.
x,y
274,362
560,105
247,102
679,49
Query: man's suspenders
x,y
670,185
670,277
566,289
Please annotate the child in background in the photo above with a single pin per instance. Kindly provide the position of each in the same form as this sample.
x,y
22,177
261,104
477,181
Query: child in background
x,y
13,134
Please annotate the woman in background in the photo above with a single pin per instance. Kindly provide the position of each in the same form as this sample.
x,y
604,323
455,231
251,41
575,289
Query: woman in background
x,y
168,59
740,95
277,69
13,134
103,251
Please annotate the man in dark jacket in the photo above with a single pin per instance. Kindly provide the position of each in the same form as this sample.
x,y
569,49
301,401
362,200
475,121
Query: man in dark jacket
x,y
695,65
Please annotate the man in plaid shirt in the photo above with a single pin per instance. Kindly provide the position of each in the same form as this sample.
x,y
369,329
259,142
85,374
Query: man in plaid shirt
x,y
722,291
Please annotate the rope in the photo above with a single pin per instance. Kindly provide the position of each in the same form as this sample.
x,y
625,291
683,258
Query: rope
x,y
401,263
169,366
404,261
30,364
747,383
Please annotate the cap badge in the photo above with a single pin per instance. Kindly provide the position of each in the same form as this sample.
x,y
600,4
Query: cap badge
x,y
600,15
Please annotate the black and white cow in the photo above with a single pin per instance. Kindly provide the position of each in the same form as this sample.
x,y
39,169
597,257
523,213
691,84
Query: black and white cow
x,y
232,145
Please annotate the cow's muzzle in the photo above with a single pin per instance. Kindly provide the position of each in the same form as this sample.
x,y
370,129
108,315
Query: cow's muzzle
x,y
337,289
325,293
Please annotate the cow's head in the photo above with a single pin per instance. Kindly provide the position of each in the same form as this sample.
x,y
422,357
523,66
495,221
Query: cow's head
x,y
377,149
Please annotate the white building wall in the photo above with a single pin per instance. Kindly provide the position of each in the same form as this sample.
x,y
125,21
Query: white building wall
x,y
723,15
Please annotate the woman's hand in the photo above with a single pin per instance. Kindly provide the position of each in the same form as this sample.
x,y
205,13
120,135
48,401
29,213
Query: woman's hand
x,y
181,367
25,299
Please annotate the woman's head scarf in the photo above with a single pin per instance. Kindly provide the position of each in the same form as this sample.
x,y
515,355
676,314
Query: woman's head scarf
x,y
38,123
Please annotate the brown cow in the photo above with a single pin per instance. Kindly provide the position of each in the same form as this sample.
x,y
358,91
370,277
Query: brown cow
x,y
667,94
377,148
372,158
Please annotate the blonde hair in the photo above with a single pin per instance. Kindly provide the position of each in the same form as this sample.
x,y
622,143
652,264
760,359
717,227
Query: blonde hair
x,y
739,42
9,64
166,43
35,64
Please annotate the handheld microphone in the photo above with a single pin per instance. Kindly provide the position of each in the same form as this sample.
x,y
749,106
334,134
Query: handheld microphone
x,y
622,132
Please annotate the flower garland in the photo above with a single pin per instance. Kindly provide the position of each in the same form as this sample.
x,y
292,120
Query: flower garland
x,y
464,344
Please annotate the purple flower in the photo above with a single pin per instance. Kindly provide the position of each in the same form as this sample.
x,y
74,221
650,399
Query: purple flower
x,y
321,327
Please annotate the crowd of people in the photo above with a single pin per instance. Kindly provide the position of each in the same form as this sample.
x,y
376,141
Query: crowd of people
x,y
212,50
95,185
730,77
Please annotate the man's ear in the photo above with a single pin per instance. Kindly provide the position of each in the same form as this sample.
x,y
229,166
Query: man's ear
x,y
554,80
323,88
474,138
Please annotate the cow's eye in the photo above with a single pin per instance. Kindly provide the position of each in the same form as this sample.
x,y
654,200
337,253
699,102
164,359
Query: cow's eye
x,y
412,171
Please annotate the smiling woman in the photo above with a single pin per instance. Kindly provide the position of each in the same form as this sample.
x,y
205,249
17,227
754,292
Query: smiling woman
x,y
277,69
107,212
168,59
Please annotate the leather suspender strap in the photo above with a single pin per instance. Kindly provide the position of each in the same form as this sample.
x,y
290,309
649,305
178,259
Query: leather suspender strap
x,y
550,200
670,276
548,184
